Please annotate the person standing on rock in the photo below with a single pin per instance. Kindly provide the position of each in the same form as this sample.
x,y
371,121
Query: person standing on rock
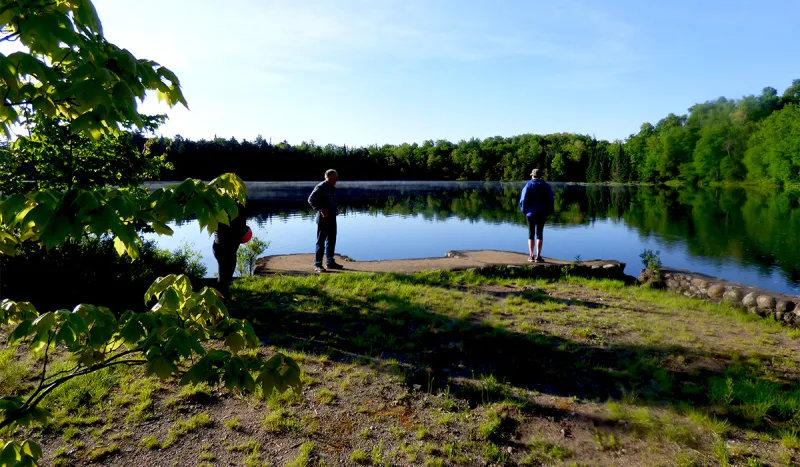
x,y
323,200
536,202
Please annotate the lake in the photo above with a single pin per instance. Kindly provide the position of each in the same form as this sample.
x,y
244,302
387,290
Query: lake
x,y
745,235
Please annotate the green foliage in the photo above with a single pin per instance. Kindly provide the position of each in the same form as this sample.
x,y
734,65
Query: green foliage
x,y
53,157
247,256
707,145
166,340
774,149
91,271
68,70
51,218
651,259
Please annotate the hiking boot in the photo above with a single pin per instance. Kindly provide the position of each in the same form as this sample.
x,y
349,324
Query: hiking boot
x,y
334,265
539,259
319,269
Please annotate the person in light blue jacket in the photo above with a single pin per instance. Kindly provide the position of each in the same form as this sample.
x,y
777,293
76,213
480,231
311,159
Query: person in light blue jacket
x,y
536,202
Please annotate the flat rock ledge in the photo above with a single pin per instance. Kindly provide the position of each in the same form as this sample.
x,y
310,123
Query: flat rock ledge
x,y
771,305
482,261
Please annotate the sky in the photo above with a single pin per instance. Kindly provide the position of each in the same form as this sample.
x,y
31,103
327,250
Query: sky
x,y
362,72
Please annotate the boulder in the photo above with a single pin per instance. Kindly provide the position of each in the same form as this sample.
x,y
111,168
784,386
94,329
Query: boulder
x,y
752,310
733,295
789,318
716,291
673,284
765,302
609,266
699,283
749,300
779,316
783,305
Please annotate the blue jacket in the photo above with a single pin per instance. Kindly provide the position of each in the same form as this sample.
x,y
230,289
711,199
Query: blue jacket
x,y
536,199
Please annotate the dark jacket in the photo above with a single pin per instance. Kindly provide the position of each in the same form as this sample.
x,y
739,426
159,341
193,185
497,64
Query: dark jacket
x,y
323,197
536,199
231,234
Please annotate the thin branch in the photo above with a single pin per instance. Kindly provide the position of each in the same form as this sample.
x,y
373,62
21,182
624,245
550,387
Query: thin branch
x,y
46,349
28,405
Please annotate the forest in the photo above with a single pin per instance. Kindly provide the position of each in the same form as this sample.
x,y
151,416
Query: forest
x,y
754,139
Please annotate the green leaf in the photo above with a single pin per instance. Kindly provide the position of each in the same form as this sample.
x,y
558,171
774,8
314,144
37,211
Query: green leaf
x,y
161,367
158,287
32,449
235,342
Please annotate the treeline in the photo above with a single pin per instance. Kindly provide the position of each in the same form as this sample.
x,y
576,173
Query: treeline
x,y
755,138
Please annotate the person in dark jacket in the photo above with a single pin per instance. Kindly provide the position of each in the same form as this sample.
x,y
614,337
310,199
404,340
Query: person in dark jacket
x,y
227,239
323,200
536,202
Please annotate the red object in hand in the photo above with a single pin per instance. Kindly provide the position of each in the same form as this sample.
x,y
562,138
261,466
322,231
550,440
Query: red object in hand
x,y
246,237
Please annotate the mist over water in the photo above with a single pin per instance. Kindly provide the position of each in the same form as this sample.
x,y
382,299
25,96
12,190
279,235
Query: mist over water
x,y
743,235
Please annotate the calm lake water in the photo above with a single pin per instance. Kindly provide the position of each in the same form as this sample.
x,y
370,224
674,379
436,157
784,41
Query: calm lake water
x,y
741,235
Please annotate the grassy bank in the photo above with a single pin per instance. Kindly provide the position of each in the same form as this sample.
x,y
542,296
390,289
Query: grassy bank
x,y
459,369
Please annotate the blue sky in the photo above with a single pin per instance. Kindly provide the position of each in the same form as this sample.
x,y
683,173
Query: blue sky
x,y
361,72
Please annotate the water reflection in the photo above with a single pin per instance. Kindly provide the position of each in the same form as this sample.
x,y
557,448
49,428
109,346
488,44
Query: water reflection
x,y
745,235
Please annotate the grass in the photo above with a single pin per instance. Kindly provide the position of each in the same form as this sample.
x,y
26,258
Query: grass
x,y
98,454
280,421
463,369
303,458
182,427
150,442
359,456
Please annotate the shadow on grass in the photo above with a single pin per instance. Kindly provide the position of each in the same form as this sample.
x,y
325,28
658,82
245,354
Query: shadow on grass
x,y
444,352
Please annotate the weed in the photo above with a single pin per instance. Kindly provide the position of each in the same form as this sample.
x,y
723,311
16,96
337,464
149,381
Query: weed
x,y
207,456
234,424
280,421
605,441
303,458
150,442
366,433
182,427
377,454
493,453
790,438
720,450
544,451
98,454
359,456
422,433
69,433
326,396
434,462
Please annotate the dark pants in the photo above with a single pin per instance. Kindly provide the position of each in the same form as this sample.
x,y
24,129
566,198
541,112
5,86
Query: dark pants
x,y
535,226
226,261
326,238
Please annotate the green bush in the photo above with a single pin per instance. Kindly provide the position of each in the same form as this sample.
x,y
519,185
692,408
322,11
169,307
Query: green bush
x,y
91,271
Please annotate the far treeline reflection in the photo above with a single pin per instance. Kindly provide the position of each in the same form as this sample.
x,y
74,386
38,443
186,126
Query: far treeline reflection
x,y
759,228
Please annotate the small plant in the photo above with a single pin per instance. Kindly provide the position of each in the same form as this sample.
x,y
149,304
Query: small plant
x,y
377,454
234,424
650,259
182,427
326,396
303,459
247,256
652,275
359,456
150,442
606,441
